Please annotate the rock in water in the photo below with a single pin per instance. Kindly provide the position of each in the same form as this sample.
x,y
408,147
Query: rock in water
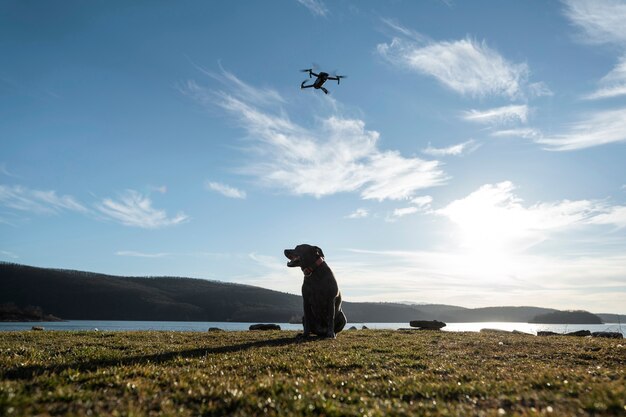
x,y
215,329
546,333
610,335
427,324
579,333
265,327
495,331
38,328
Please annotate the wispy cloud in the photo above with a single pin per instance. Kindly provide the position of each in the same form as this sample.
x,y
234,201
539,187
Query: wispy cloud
x,y
317,7
160,189
141,254
613,84
499,115
225,190
359,213
420,204
525,132
454,150
601,21
613,216
539,89
599,128
5,171
21,198
422,201
466,66
8,254
338,155
134,209
404,211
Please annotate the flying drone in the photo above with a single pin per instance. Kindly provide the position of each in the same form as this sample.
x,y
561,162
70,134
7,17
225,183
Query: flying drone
x,y
322,77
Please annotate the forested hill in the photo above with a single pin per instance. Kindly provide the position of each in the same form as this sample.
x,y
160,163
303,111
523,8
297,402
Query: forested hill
x,y
77,295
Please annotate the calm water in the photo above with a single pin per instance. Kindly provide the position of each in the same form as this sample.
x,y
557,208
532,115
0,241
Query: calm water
x,y
197,326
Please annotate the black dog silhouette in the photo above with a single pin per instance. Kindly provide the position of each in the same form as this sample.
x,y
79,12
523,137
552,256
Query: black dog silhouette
x,y
322,300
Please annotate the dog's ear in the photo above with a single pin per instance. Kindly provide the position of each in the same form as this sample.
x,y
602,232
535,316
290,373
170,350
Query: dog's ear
x,y
319,251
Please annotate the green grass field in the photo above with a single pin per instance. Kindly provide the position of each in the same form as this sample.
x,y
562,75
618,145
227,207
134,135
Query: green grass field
x,y
364,372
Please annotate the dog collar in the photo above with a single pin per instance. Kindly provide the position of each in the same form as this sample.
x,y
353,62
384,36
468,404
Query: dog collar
x,y
309,269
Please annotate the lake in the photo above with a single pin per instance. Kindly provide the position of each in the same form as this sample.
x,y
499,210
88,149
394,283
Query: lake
x,y
203,326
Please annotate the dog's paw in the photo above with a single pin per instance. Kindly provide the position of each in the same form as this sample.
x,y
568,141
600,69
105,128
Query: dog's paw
x,y
331,335
302,336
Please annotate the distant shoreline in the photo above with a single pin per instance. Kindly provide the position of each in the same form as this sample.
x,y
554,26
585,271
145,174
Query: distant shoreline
x,y
202,327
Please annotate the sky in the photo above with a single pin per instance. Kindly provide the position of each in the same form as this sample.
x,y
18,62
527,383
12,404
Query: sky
x,y
474,155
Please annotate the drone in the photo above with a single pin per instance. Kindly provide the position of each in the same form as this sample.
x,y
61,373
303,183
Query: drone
x,y
322,77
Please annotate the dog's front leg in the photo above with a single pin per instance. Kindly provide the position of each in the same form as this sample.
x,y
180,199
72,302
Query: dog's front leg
x,y
306,320
331,319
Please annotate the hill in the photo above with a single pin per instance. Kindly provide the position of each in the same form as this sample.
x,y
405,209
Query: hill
x,y
573,317
612,318
78,295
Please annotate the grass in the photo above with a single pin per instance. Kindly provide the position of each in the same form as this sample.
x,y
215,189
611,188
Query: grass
x,y
365,372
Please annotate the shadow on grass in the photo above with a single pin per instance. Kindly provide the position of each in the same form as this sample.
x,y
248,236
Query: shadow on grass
x,y
31,371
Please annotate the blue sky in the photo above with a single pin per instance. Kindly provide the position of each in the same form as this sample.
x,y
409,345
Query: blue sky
x,y
473,156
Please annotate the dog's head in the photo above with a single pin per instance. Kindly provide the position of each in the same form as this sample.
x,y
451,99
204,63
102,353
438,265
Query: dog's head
x,y
303,256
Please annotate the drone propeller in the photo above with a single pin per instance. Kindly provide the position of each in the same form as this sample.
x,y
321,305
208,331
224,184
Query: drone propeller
x,y
339,77
309,70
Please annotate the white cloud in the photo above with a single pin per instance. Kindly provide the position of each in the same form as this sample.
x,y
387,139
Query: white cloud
x,y
614,216
21,198
455,150
608,92
8,254
419,204
526,133
422,201
599,128
388,175
602,21
359,213
338,155
225,190
404,211
613,84
539,89
162,189
499,115
135,209
141,254
316,7
465,66
494,219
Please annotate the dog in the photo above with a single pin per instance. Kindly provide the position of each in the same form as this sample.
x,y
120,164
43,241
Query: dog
x,y
322,300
